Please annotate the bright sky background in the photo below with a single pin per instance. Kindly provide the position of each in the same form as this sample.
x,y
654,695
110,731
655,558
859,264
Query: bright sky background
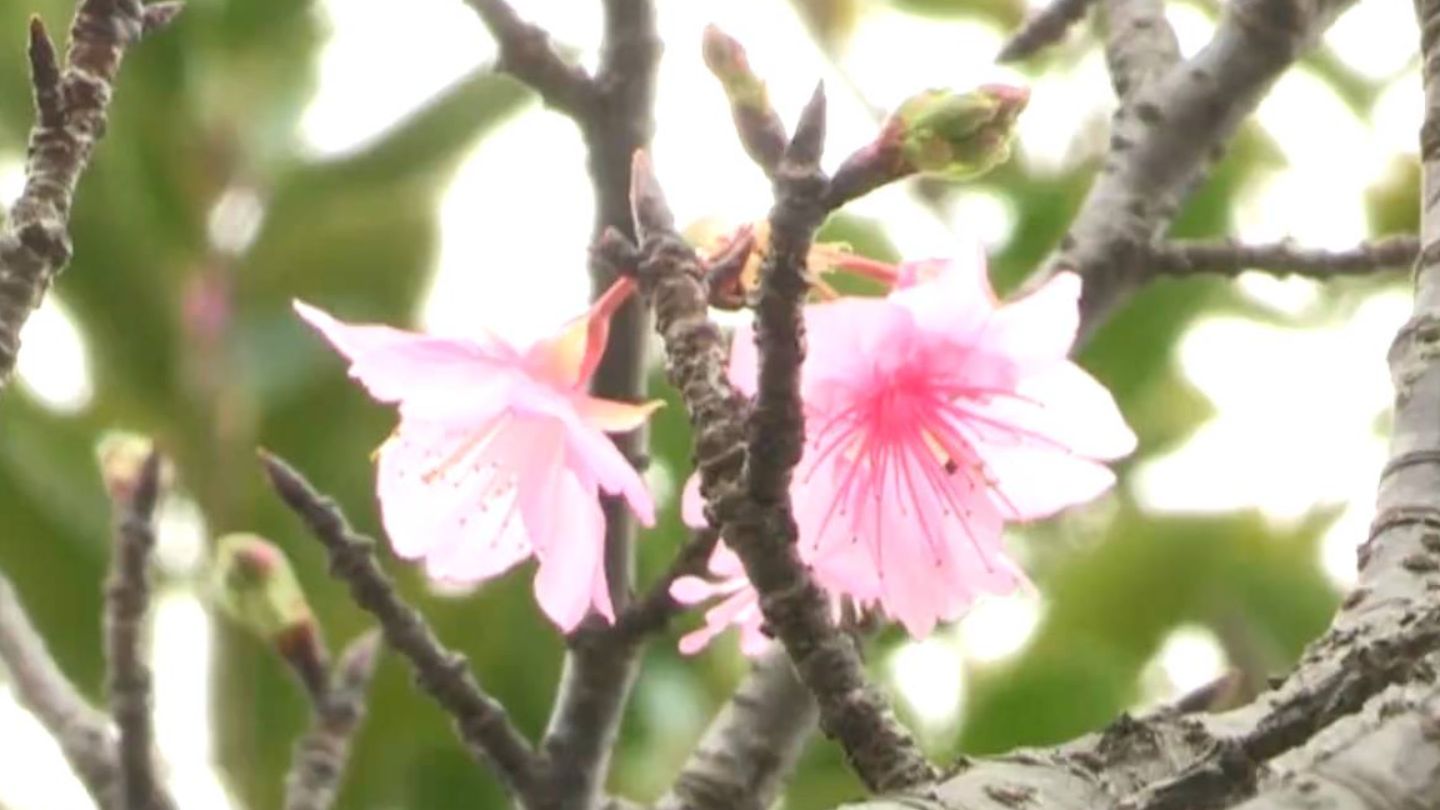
x,y
1331,158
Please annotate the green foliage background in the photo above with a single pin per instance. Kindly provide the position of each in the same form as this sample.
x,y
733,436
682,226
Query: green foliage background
x,y
213,104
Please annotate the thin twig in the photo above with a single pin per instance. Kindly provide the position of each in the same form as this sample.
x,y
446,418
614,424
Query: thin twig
x,y
1043,29
320,756
657,607
1282,258
82,731
127,602
71,107
526,54
481,722
752,745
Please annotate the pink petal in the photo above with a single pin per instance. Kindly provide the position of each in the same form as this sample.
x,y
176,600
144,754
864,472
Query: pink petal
x,y
692,504
1040,326
569,358
847,570
934,570
542,480
697,640
724,562
1074,410
828,525
441,496
594,452
615,417
845,339
691,590
429,376
744,370
1036,482
571,577
753,641
851,340
954,299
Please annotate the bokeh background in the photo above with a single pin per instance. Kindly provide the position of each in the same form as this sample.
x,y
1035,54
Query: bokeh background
x,y
356,154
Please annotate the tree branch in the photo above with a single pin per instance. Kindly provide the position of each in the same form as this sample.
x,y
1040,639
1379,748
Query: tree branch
x,y
1389,756
652,612
481,722
526,54
82,731
749,500
602,662
71,106
751,747
1043,29
1167,134
1282,258
1140,45
1384,642
127,602
320,756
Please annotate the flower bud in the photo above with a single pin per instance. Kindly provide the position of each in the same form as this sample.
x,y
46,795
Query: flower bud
x,y
122,458
954,135
958,135
255,586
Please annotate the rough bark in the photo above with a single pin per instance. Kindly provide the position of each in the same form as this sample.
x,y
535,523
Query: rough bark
x,y
751,747
71,105
127,676
1167,133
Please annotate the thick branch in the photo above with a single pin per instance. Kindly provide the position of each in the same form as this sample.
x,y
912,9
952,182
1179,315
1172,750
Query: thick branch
x,y
1043,29
1167,134
320,756
127,601
71,106
1387,757
445,675
1231,259
751,747
82,731
1140,45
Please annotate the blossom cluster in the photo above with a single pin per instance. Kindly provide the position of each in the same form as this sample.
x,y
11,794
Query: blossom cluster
x,y
935,415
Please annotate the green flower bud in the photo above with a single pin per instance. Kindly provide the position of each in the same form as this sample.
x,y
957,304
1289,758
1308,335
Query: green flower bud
x,y
121,457
255,586
958,135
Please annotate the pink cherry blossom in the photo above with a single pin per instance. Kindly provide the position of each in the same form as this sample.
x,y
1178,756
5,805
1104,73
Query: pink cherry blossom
x,y
739,603
500,453
935,415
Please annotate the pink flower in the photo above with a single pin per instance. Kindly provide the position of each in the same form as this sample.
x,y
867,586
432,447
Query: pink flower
x,y
739,603
933,416
500,453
